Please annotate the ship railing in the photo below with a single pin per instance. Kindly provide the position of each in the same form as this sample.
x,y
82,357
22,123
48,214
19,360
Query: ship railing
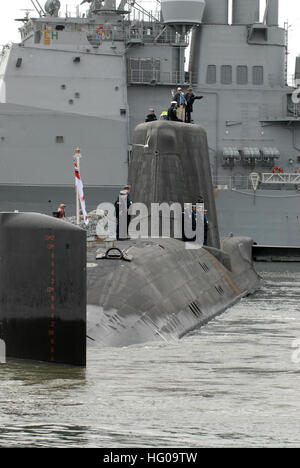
x,y
140,35
281,178
267,181
295,110
157,77
232,182
293,81
150,35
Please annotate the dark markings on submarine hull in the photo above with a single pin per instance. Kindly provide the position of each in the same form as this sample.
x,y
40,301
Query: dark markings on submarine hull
x,y
163,293
42,289
166,290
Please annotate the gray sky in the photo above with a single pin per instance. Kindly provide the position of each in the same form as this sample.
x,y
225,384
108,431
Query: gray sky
x,y
289,11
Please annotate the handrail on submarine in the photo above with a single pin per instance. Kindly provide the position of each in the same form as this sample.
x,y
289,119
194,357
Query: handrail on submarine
x,y
109,255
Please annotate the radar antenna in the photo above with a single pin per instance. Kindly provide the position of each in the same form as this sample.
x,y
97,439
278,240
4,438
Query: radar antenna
x,y
26,16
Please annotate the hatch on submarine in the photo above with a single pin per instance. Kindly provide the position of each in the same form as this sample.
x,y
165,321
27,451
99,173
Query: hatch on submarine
x,y
166,290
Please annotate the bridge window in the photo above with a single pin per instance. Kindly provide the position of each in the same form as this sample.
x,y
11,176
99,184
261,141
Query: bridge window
x,y
258,75
211,77
226,74
242,74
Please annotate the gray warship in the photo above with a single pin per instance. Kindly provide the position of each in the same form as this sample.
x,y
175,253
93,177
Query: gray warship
x,y
86,81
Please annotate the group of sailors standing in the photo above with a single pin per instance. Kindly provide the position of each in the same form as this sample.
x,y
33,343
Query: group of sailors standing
x,y
122,208
180,110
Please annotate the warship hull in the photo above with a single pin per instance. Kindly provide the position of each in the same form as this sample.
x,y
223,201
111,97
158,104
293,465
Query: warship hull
x,y
268,220
269,217
87,81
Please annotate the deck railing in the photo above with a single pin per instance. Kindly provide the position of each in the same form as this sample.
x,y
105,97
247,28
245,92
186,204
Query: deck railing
x,y
157,77
266,181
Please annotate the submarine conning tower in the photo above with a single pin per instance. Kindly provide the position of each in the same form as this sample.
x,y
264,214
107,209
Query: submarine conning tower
x,y
170,164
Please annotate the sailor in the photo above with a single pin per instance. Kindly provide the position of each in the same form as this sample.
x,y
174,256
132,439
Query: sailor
x,y
164,115
190,99
181,104
121,208
188,223
151,117
172,112
127,188
129,203
194,217
205,227
61,212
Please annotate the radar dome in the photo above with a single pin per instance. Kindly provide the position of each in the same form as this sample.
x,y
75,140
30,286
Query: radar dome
x,y
182,11
52,7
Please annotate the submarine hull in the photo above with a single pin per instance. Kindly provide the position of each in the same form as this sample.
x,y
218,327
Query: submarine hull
x,y
168,288
165,291
42,289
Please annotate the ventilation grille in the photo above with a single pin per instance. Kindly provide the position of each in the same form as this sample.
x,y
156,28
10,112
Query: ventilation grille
x,y
194,308
204,267
220,290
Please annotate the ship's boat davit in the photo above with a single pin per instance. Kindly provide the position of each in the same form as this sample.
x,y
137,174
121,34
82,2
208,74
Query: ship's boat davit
x,y
166,290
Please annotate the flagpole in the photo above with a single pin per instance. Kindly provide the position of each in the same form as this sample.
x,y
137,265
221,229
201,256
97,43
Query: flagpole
x,y
77,157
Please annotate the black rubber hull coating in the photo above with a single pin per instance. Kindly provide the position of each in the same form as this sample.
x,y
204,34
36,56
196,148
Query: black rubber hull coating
x,y
42,289
165,291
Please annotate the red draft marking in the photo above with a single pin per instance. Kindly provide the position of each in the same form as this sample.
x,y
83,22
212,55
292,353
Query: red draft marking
x,y
50,246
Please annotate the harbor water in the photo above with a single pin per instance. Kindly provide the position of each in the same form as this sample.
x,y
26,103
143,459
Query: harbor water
x,y
233,383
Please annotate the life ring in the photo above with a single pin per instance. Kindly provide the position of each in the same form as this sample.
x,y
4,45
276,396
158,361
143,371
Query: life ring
x,y
277,170
100,31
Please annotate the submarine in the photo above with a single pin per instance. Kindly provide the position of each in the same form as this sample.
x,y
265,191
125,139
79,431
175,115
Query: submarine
x,y
58,297
154,289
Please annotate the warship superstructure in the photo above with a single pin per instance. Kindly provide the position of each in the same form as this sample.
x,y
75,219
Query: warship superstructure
x,y
88,80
